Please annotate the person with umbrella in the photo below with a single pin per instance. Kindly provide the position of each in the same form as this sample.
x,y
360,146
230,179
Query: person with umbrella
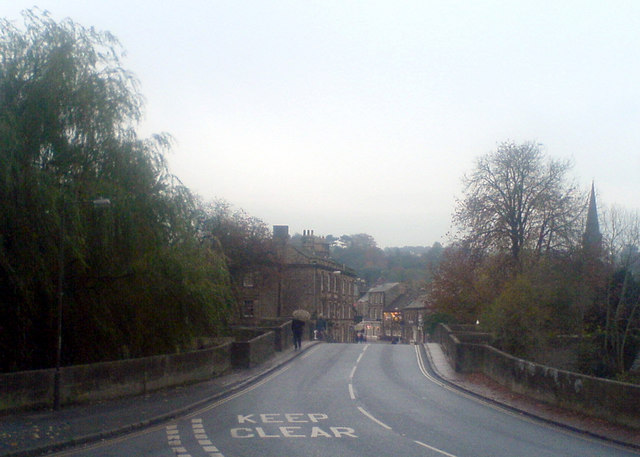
x,y
297,326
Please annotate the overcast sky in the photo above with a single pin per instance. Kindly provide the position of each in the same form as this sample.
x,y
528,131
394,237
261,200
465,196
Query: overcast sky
x,y
362,116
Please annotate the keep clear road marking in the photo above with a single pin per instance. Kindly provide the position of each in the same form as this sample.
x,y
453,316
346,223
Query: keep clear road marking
x,y
379,422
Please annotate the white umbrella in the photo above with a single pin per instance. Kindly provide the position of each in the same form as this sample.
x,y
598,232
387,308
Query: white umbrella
x,y
301,315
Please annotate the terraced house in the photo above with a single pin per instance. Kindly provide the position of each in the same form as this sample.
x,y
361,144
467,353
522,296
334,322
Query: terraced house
x,y
303,276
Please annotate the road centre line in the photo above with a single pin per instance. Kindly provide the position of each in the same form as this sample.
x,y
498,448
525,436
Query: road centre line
x,y
352,394
364,411
353,371
440,451
382,424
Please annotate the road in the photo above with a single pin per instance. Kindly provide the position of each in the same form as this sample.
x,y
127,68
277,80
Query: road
x,y
352,400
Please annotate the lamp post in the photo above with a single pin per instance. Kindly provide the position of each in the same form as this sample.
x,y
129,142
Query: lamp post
x,y
97,203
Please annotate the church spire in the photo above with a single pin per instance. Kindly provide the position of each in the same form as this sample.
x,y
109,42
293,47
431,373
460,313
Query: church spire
x,y
592,238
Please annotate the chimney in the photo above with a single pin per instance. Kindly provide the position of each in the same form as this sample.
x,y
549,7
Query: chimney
x,y
307,240
281,232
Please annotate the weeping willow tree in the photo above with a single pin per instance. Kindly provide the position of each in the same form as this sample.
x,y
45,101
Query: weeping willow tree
x,y
136,278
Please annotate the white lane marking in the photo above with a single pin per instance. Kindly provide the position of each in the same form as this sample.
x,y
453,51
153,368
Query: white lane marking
x,y
203,440
174,441
424,371
363,411
440,451
352,394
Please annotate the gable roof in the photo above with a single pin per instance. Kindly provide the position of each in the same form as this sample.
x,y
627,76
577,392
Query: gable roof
x,y
400,302
384,287
418,303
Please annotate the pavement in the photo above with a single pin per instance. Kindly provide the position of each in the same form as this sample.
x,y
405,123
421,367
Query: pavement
x,y
33,433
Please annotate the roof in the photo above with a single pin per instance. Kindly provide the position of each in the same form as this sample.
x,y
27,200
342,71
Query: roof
x,y
418,303
302,257
400,302
384,287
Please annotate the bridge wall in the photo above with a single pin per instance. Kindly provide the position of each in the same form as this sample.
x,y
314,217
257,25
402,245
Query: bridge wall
x,y
611,400
107,380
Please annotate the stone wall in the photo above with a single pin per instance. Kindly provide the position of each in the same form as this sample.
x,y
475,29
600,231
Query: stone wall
x,y
100,381
283,338
615,401
247,354
107,380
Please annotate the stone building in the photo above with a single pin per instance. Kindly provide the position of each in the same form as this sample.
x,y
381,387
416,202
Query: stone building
x,y
391,311
303,277
371,308
413,316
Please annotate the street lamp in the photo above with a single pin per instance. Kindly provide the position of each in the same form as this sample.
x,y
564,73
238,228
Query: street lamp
x,y
100,202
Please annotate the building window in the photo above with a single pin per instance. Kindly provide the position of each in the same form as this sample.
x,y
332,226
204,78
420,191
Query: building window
x,y
247,308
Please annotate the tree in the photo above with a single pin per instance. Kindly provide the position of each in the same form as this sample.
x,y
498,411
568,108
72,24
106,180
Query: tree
x,y
622,302
245,240
361,252
458,288
517,199
134,279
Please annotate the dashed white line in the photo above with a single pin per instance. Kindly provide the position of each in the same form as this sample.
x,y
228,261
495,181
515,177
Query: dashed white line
x,y
363,411
352,394
440,451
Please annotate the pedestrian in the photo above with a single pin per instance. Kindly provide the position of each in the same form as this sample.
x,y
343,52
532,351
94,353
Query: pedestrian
x,y
296,327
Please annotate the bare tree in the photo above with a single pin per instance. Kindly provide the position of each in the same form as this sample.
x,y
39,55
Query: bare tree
x,y
517,199
622,240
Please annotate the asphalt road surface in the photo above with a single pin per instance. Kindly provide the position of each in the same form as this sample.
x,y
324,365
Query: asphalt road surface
x,y
364,400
